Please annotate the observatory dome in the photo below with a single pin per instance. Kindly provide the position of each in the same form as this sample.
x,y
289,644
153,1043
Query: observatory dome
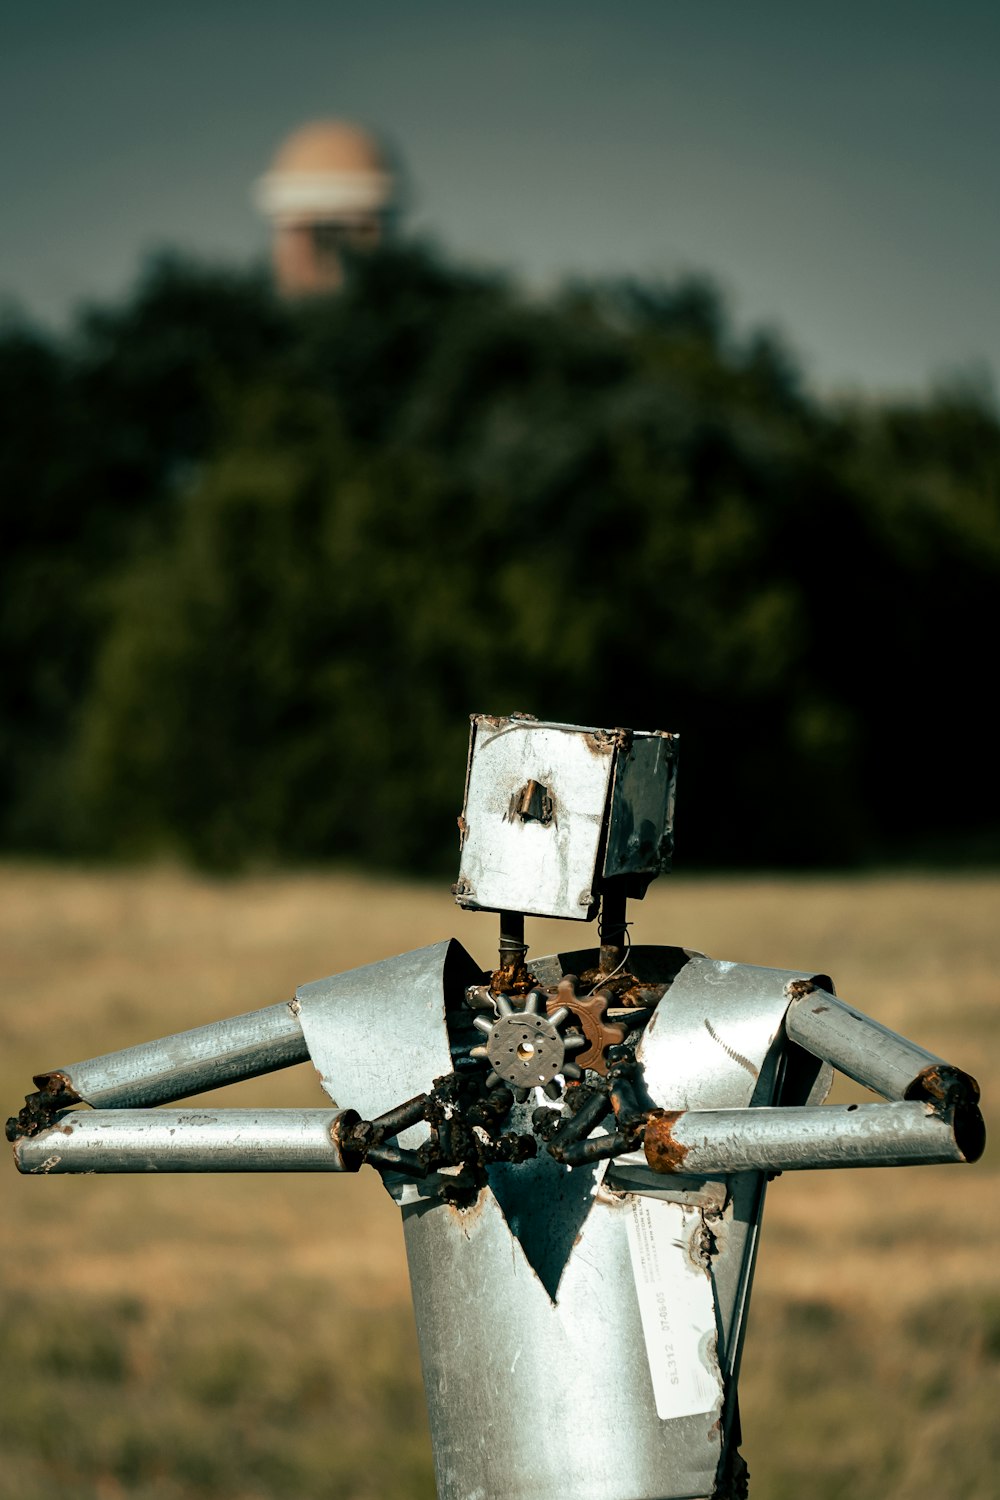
x,y
325,170
332,190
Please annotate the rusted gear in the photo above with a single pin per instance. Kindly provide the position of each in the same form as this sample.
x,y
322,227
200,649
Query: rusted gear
x,y
589,1011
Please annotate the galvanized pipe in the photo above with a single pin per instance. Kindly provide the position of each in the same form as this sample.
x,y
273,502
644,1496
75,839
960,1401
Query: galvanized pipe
x,y
702,1142
870,1053
189,1062
169,1140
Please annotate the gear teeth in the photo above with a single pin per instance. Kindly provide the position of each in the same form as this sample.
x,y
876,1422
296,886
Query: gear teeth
x,y
504,1006
521,1095
531,1003
589,1014
493,1080
574,1041
481,1024
571,1071
479,1053
552,1090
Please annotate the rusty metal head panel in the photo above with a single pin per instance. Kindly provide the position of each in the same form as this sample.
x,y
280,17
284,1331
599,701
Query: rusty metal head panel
x,y
551,810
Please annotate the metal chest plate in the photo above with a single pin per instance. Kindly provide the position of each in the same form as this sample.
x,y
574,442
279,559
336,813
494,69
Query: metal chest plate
x,y
377,1035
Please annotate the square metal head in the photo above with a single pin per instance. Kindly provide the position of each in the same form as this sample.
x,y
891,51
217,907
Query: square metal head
x,y
552,811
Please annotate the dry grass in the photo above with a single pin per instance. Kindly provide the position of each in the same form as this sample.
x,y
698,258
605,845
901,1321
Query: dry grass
x,y
251,1337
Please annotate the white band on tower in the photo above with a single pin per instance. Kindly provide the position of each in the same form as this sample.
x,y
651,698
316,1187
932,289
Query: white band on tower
x,y
288,194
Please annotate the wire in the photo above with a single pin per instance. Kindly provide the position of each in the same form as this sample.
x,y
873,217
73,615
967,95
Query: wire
x,y
624,959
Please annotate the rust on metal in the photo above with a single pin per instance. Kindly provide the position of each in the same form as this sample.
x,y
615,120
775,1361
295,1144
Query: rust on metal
x,y
942,1085
797,989
513,977
624,988
56,1084
612,955
604,741
663,1153
532,803
465,1209
701,1245
599,742
42,1170
590,1012
55,1093
345,1137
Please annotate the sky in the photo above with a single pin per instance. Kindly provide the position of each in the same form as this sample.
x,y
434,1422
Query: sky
x,y
833,166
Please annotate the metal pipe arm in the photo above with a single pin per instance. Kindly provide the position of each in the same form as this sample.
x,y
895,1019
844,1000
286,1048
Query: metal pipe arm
x,y
705,1142
160,1140
171,1067
870,1053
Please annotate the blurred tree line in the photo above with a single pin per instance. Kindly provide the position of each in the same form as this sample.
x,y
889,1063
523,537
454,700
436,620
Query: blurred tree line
x,y
260,562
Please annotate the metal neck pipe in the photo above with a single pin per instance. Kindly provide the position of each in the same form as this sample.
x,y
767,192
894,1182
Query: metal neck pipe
x,y
613,925
512,944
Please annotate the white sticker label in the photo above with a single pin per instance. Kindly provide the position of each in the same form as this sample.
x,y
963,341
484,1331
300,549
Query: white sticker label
x,y
677,1308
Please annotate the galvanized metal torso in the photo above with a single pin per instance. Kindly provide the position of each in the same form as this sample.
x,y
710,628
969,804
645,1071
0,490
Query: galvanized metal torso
x,y
538,1350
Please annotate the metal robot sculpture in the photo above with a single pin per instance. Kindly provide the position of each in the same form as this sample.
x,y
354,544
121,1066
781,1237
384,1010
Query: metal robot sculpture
x,y
579,1146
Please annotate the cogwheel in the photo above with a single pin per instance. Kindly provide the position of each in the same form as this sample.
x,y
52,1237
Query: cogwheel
x,y
589,1011
525,1048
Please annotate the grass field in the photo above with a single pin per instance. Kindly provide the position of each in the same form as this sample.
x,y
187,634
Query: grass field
x,y
251,1337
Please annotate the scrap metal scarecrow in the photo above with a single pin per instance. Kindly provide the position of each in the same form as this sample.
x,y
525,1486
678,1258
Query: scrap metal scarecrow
x,y
579,1146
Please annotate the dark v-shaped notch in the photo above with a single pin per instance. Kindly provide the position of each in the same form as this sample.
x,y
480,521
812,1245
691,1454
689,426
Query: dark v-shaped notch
x,y
544,1203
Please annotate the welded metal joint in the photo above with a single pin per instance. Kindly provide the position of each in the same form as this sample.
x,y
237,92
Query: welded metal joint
x,y
55,1093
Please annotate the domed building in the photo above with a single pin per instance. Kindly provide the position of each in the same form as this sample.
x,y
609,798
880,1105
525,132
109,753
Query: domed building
x,y
331,186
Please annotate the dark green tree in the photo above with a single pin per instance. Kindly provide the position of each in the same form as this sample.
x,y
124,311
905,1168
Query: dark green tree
x,y
266,558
